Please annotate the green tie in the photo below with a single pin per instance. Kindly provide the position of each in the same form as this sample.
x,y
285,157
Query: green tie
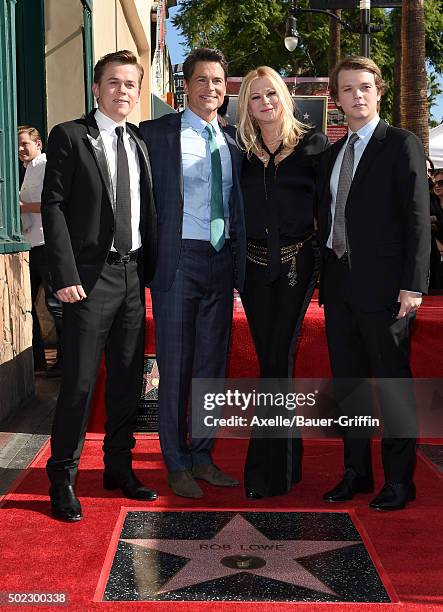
x,y
217,212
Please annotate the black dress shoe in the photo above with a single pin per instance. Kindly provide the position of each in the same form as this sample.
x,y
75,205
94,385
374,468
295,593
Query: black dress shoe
x,y
350,485
251,494
129,484
64,503
394,496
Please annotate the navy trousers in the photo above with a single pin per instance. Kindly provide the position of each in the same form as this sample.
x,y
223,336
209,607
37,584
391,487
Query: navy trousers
x,y
192,326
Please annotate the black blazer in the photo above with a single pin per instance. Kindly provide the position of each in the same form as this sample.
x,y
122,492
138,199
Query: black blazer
x,y
162,137
387,217
77,204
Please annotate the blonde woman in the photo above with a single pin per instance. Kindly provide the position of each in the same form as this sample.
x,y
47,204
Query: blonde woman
x,y
278,185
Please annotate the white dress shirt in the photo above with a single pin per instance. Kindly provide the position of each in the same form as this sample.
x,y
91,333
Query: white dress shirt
x,y
107,126
31,191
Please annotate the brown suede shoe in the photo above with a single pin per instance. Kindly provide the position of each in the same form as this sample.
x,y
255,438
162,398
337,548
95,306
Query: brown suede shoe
x,y
212,474
182,483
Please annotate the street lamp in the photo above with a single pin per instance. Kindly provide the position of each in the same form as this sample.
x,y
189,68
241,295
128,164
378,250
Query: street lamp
x,y
291,35
365,28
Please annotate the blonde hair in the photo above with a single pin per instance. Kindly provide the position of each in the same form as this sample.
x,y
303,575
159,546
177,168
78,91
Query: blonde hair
x,y
248,131
32,132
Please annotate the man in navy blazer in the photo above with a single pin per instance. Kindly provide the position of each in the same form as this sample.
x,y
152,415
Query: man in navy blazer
x,y
375,233
192,289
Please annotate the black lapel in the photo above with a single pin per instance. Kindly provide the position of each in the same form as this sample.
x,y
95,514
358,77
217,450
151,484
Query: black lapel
x,y
174,152
370,153
234,150
97,147
334,151
142,152
331,156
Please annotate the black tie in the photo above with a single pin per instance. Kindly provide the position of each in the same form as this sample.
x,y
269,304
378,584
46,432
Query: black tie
x,y
123,232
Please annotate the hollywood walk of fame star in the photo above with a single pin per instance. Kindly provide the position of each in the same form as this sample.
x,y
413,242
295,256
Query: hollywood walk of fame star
x,y
241,538
151,379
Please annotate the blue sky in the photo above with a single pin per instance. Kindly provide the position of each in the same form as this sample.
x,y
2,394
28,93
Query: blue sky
x,y
174,40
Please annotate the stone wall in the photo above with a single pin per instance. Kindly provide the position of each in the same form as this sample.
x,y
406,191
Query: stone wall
x,y
16,363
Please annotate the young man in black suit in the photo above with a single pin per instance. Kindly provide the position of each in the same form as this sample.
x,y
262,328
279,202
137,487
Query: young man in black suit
x,y
100,227
195,166
374,229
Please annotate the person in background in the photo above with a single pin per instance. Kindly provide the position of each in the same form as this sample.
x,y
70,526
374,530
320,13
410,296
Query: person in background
x,y
436,279
278,186
34,161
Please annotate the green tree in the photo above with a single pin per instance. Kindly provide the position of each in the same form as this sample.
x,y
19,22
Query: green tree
x,y
251,32
413,70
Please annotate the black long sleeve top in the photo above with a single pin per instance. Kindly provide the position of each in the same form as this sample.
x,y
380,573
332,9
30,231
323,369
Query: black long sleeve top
x,y
279,200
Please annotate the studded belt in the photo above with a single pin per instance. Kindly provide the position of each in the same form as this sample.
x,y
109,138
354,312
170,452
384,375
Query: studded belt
x,y
258,254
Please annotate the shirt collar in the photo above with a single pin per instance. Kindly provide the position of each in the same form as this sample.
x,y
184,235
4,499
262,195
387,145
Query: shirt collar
x,y
36,161
365,132
106,123
197,123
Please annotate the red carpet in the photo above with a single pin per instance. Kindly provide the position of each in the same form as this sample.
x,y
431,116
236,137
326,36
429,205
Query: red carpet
x,y
40,554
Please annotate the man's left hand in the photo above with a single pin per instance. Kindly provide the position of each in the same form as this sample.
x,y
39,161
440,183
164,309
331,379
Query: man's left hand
x,y
409,302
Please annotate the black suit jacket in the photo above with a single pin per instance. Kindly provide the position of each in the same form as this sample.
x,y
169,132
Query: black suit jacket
x,y
162,137
387,217
78,204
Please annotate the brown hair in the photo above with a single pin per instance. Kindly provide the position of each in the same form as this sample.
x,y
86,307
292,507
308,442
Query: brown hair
x,y
117,57
204,54
33,132
356,62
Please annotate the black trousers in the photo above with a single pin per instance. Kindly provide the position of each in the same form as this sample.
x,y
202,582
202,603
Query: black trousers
x,y
40,277
111,320
275,313
364,344
192,329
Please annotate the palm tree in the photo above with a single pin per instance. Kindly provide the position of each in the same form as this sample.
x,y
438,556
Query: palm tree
x,y
334,42
398,115
413,70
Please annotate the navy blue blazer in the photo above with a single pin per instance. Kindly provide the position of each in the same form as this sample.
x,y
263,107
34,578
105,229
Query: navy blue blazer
x,y
162,137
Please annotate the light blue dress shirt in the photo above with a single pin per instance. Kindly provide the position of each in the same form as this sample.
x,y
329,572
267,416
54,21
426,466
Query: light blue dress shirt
x,y
196,163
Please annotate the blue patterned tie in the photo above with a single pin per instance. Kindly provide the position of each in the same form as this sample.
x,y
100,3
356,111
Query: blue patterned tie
x,y
217,211
344,185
